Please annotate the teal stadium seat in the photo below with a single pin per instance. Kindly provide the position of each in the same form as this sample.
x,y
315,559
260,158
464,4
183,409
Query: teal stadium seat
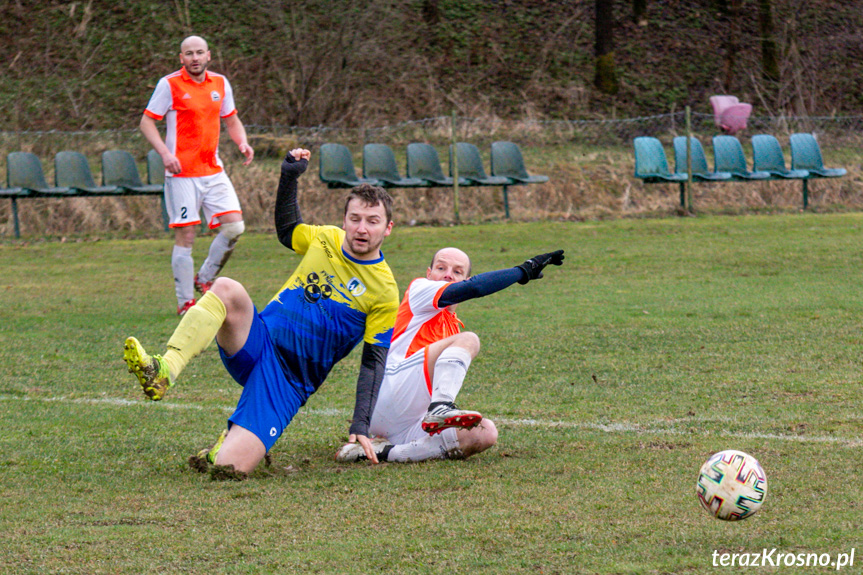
x,y
71,170
767,157
119,170
651,165
728,157
470,167
24,171
423,163
155,168
806,155
507,162
700,171
379,163
337,168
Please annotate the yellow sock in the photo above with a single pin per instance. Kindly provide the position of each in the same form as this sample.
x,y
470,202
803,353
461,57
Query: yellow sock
x,y
195,332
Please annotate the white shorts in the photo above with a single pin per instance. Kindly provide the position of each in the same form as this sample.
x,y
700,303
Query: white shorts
x,y
186,197
403,401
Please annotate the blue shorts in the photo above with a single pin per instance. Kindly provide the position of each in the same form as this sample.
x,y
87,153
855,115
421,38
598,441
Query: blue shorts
x,y
270,397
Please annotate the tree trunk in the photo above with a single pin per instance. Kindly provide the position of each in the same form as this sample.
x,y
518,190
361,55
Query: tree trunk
x,y
730,17
769,60
639,12
605,78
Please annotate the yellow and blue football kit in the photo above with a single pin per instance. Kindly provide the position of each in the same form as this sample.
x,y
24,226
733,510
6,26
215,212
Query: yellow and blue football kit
x,y
330,303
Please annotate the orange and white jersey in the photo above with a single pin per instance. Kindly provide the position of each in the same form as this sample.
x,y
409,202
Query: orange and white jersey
x,y
193,114
419,321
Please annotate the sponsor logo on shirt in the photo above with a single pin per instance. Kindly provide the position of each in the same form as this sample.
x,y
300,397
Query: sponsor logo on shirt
x,y
356,287
186,96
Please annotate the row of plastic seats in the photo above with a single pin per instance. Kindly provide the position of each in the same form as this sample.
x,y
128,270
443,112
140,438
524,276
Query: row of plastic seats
x,y
72,175
729,161
730,164
73,178
423,168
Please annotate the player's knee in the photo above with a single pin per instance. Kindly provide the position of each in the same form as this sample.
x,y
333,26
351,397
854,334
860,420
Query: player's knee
x,y
489,433
185,236
232,230
470,341
478,439
227,289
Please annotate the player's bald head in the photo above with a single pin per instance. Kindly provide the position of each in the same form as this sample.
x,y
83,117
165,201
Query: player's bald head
x,y
452,255
193,41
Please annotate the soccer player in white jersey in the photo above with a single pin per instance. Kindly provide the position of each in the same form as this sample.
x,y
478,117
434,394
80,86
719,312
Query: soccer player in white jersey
x,y
415,417
194,102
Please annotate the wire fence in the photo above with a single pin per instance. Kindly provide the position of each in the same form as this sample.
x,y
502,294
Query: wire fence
x,y
589,162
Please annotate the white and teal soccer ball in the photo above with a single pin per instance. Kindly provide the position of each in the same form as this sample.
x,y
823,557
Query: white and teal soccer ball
x,y
731,485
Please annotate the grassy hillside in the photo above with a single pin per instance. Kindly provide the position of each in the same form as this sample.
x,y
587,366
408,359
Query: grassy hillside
x,y
94,63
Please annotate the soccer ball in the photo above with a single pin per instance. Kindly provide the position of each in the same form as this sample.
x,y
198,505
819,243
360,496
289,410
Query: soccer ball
x,y
731,485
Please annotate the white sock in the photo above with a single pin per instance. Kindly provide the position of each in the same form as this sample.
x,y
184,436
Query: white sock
x,y
444,445
184,274
220,251
450,370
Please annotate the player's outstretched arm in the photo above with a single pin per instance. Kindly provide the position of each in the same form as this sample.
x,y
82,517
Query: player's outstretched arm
x,y
287,212
369,381
533,267
488,283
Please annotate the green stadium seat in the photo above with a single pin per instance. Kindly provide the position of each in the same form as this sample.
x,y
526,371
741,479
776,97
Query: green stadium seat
x,y
700,171
71,170
337,168
470,167
767,157
423,163
728,157
119,170
507,162
379,163
651,165
155,168
24,171
806,155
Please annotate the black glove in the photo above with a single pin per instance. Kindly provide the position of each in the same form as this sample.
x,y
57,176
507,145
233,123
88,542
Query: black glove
x,y
533,267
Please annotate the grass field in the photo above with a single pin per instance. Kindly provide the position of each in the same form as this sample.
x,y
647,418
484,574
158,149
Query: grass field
x,y
612,379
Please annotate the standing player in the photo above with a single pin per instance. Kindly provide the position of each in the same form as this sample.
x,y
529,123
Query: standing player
x,y
341,293
415,417
193,101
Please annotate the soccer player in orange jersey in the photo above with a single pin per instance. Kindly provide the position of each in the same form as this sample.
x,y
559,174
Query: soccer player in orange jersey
x,y
415,417
193,102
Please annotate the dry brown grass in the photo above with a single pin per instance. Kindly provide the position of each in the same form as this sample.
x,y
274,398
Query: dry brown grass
x,y
588,180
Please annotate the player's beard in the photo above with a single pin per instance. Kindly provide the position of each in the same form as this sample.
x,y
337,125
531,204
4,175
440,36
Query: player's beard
x,y
202,68
371,246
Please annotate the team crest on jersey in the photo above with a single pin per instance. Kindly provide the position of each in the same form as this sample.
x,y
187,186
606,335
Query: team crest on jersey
x,y
215,96
356,287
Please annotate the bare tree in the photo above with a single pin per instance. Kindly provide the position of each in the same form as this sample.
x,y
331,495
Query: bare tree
x,y
639,12
769,59
605,78
730,16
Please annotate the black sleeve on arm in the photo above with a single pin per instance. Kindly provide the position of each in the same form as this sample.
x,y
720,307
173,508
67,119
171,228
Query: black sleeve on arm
x,y
368,384
479,285
287,207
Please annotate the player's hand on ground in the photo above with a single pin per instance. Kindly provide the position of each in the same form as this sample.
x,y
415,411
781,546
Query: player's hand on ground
x,y
172,164
247,151
366,444
301,154
534,266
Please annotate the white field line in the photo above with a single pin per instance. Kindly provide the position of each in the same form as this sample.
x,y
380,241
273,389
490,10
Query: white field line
x,y
656,428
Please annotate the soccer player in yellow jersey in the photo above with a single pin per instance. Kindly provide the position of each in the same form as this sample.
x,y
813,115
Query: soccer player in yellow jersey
x,y
341,293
